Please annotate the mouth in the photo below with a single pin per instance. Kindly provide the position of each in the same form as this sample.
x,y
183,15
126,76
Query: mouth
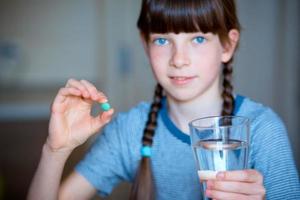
x,y
181,80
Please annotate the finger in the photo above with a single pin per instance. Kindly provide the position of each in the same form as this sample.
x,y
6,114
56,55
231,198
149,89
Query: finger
x,y
63,94
250,175
91,89
102,97
105,116
77,84
236,187
220,195
102,119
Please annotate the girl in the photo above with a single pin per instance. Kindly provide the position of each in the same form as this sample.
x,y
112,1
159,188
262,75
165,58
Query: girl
x,y
190,45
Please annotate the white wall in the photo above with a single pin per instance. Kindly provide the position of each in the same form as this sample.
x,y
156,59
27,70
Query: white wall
x,y
55,39
130,82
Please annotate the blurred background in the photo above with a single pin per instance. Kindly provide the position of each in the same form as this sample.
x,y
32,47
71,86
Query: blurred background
x,y
43,43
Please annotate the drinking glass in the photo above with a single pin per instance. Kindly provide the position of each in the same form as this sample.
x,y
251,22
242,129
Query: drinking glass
x,y
219,143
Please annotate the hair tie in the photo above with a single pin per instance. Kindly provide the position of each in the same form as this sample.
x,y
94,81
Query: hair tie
x,y
146,151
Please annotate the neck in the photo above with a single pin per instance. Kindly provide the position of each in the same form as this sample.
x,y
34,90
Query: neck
x,y
181,113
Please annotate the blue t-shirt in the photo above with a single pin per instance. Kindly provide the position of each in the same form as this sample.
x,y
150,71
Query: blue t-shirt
x,y
115,154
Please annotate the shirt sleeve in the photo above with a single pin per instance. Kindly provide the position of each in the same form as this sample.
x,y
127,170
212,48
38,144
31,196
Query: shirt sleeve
x,y
271,154
104,165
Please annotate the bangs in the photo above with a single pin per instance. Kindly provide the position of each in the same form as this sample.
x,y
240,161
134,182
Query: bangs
x,y
165,16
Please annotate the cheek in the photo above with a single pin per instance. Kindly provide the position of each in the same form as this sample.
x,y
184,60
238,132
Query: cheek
x,y
209,64
209,61
158,59
155,64
158,53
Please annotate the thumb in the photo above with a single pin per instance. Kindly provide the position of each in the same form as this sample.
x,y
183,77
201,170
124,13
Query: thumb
x,y
102,119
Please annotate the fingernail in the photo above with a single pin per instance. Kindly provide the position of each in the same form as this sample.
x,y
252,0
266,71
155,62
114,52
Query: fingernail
x,y
220,175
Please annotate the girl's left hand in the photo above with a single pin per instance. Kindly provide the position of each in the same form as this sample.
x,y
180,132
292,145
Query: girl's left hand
x,y
229,185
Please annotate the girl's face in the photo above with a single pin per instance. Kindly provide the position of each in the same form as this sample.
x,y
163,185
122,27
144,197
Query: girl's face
x,y
187,65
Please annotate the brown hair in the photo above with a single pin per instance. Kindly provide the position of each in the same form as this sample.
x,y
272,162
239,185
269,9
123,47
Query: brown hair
x,y
165,16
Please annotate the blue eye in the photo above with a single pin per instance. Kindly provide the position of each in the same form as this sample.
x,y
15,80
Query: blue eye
x,y
199,39
161,41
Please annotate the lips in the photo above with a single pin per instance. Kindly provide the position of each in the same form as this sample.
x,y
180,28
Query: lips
x,y
182,80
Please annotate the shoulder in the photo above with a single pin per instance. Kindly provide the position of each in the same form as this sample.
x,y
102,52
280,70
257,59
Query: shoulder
x,y
258,113
267,130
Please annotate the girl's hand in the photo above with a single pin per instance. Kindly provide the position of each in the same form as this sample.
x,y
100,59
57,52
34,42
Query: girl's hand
x,y
245,184
71,123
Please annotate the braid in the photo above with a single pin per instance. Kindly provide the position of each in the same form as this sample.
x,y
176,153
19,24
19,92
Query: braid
x,y
228,100
143,186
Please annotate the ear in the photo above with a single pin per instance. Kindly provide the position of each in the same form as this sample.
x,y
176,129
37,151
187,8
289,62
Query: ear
x,y
229,47
145,43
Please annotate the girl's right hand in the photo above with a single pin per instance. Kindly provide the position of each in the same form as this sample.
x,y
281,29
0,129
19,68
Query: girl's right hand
x,y
71,122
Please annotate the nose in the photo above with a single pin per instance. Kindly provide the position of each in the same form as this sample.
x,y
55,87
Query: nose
x,y
180,57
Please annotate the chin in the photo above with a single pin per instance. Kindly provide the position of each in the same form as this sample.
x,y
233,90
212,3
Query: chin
x,y
183,96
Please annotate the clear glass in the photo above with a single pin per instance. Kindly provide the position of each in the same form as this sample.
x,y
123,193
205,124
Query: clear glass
x,y
219,144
